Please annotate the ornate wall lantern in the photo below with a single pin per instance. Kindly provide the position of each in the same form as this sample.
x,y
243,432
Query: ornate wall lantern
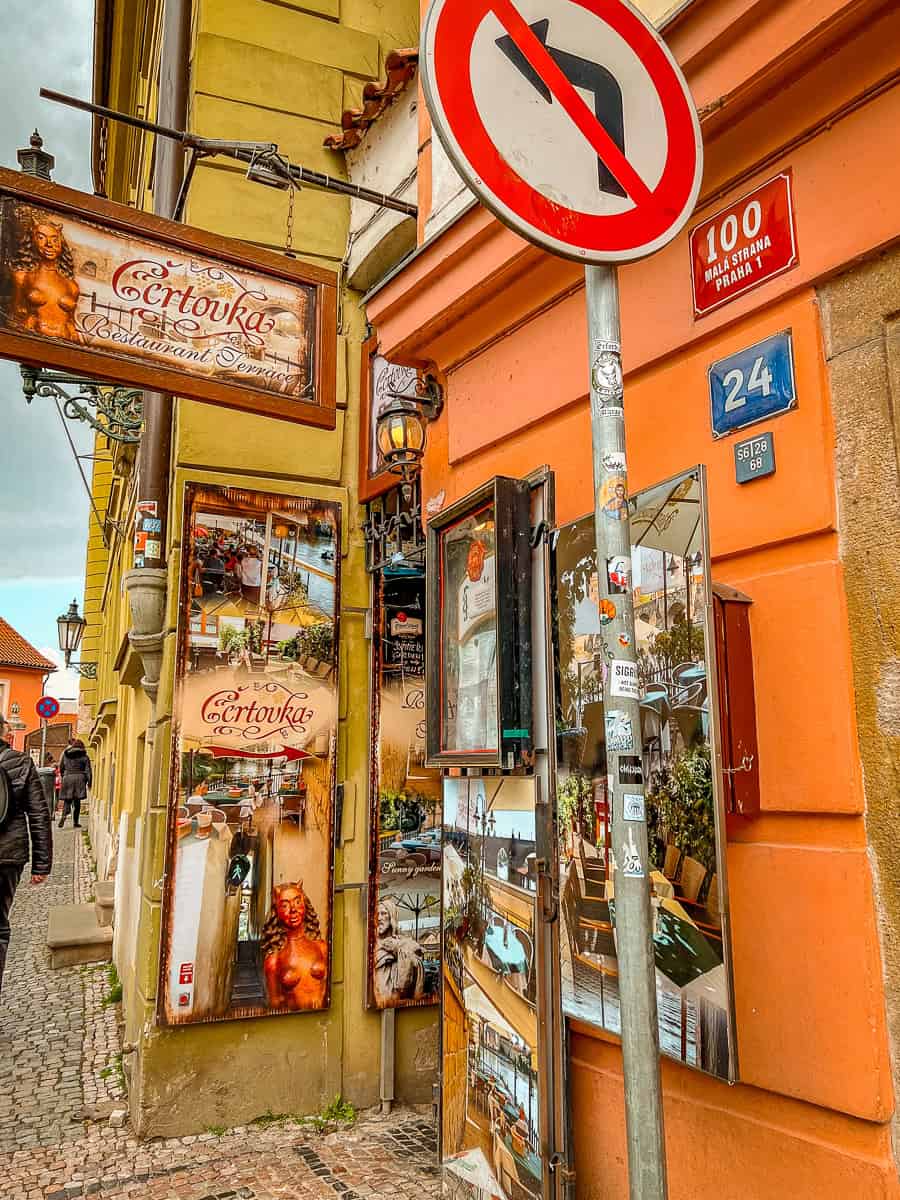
x,y
401,436
401,428
71,626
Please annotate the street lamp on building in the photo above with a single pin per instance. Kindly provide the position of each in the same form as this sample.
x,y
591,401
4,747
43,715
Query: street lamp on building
x,y
401,428
71,625
401,436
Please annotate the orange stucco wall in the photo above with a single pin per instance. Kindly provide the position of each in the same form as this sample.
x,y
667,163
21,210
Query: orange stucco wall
x,y
813,88
25,688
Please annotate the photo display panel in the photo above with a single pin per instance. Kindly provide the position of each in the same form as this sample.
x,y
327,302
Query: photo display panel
x,y
247,916
405,822
469,634
672,772
490,1137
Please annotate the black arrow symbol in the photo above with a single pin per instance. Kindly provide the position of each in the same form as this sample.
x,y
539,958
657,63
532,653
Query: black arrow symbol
x,y
581,73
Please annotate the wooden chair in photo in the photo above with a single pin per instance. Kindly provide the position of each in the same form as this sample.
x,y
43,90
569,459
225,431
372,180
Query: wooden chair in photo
x,y
692,875
671,861
592,869
708,915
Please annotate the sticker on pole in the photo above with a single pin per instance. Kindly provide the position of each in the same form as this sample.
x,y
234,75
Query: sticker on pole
x,y
623,679
569,119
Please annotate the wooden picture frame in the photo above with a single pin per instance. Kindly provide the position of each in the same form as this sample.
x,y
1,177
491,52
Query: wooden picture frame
x,y
262,302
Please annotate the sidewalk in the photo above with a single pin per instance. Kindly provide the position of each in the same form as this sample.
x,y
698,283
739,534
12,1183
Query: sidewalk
x,y
61,1081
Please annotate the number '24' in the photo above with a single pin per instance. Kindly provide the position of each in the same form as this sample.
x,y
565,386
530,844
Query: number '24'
x,y
736,391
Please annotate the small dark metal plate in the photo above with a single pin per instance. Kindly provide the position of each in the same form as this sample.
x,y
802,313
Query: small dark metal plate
x,y
754,458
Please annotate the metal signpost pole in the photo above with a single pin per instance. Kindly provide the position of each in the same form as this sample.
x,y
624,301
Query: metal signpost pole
x,y
633,912
602,184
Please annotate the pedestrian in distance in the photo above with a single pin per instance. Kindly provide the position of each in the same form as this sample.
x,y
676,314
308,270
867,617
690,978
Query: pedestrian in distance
x,y
26,827
77,777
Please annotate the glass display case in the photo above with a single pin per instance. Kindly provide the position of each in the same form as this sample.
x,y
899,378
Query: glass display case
x,y
479,629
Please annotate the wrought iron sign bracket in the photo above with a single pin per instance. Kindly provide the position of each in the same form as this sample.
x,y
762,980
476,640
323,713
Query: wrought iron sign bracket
x,y
393,529
265,164
429,396
116,412
87,670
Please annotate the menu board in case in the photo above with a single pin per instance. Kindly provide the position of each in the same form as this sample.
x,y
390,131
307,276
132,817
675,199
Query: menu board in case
x,y
479,629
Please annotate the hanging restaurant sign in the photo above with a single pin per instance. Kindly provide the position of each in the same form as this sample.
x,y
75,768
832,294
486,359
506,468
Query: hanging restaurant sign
x,y
479,629
393,529
248,875
99,289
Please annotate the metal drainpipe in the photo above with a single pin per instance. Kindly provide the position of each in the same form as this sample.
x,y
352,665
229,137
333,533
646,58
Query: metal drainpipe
x,y
156,444
147,586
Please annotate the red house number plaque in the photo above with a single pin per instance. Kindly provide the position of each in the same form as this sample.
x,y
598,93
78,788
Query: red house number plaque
x,y
744,245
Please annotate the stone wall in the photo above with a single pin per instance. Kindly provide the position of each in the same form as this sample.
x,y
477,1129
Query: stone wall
x,y
861,325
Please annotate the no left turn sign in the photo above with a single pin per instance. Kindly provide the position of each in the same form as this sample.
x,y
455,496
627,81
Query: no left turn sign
x,y
569,119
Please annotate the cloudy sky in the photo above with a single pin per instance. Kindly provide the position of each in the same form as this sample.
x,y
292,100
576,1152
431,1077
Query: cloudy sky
x,y
43,506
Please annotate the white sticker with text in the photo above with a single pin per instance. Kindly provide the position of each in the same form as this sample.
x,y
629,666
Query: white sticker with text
x,y
623,679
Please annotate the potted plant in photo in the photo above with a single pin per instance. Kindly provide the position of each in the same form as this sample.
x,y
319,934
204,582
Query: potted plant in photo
x,y
465,913
681,810
573,806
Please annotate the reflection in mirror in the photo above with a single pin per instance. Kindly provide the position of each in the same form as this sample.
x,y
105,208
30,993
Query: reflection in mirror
x,y
667,580
490,1140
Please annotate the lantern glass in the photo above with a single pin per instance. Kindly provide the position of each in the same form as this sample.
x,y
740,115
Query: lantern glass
x,y
400,435
415,432
70,626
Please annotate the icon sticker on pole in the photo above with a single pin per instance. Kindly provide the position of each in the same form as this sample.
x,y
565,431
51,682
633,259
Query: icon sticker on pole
x,y
607,178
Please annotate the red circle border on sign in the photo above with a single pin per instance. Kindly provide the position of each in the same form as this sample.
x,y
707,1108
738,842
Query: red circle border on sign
x,y
585,235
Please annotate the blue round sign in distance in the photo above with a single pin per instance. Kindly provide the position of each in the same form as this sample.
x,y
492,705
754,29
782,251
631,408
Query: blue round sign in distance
x,y
47,707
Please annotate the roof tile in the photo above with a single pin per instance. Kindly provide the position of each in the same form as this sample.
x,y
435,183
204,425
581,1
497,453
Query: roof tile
x,y
400,66
16,652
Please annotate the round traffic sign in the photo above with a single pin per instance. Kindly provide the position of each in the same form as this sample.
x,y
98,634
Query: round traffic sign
x,y
569,119
47,707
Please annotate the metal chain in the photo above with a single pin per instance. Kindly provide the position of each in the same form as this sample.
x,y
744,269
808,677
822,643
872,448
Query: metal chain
x,y
289,242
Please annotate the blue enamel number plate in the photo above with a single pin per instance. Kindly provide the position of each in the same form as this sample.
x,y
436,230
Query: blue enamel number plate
x,y
753,384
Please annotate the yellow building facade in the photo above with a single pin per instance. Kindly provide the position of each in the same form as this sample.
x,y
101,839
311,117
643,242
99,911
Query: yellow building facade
x,y
273,72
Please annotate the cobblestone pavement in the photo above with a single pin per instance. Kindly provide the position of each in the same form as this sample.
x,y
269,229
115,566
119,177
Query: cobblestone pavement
x,y
62,1098
41,1018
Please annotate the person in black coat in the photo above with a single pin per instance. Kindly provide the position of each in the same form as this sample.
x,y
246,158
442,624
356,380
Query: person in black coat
x,y
28,820
75,767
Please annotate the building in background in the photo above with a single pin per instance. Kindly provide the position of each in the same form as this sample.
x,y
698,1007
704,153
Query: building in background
x,y
759,346
217,839
23,676
59,730
770,322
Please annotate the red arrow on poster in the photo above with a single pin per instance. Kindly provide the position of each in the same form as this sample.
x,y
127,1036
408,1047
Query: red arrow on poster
x,y
291,753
